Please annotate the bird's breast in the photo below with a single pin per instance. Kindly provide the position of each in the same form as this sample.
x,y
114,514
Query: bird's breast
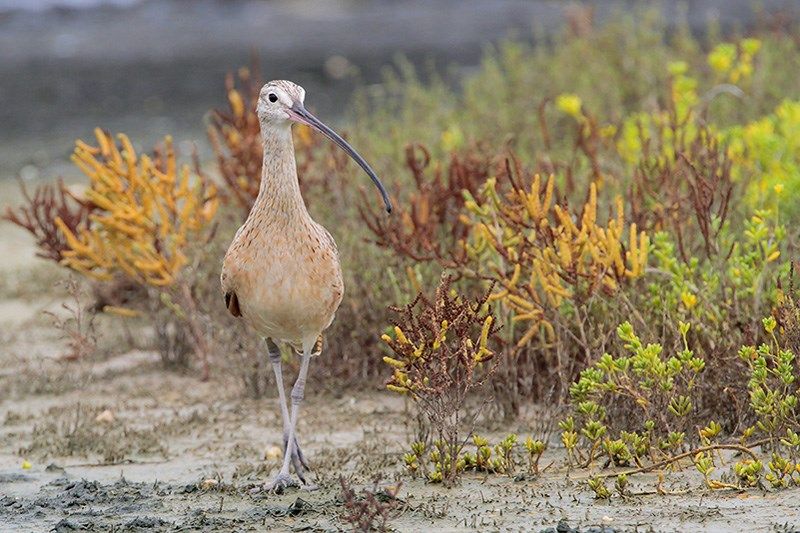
x,y
288,284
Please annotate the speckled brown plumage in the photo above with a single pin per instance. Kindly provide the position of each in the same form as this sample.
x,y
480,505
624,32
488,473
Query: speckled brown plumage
x,y
282,268
281,273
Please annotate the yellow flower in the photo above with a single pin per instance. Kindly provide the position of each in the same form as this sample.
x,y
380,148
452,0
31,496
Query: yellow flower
x,y
689,300
26,465
722,57
751,46
452,138
608,131
569,104
778,188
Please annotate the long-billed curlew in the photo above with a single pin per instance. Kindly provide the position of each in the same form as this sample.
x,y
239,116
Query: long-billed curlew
x,y
281,273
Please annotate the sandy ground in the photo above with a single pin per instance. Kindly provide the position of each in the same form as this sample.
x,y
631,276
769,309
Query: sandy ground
x,y
170,433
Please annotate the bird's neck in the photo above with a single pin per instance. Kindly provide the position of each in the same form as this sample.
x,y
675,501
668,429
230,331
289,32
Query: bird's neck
x,y
279,197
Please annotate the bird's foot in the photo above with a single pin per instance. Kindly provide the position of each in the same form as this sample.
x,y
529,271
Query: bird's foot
x,y
298,459
276,486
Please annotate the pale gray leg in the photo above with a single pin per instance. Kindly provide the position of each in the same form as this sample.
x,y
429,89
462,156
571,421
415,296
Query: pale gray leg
x,y
298,459
284,480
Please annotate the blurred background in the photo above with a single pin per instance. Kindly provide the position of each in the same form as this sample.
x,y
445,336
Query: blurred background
x,y
152,67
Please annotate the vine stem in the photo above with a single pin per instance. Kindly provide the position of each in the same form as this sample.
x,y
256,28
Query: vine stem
x,y
675,458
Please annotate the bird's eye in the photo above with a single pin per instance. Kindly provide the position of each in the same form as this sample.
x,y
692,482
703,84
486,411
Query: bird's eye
x,y
272,97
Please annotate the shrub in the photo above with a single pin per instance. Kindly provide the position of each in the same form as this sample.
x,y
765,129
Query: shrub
x,y
430,463
145,213
440,354
772,387
544,258
236,139
767,155
628,406
547,262
611,399
136,223
428,224
677,226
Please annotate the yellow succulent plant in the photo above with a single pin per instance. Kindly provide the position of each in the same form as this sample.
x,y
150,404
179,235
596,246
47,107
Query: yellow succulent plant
x,y
145,212
542,255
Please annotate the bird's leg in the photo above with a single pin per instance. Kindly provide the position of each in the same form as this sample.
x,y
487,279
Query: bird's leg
x,y
298,391
275,359
298,459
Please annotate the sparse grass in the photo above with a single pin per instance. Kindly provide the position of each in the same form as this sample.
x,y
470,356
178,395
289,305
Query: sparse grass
x,y
108,434
77,430
77,328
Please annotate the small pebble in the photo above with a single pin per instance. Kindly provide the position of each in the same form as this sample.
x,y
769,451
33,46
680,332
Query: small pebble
x,y
272,453
209,483
106,417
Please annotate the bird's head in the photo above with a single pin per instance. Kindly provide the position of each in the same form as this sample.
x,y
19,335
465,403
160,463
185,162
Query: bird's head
x,y
281,102
276,100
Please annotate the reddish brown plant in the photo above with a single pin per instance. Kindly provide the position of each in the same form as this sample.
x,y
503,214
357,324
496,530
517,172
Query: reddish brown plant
x,y
40,211
440,355
428,224
372,509
235,136
689,194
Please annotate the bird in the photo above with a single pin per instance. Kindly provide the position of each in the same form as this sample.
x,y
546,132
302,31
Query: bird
x,y
281,274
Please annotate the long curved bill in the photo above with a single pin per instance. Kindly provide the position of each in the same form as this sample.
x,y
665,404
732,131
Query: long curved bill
x,y
298,113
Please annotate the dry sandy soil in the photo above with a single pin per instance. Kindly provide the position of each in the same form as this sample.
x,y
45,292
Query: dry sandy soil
x,y
146,466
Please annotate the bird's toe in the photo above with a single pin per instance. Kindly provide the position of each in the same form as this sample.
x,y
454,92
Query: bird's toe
x,y
310,487
299,467
277,485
